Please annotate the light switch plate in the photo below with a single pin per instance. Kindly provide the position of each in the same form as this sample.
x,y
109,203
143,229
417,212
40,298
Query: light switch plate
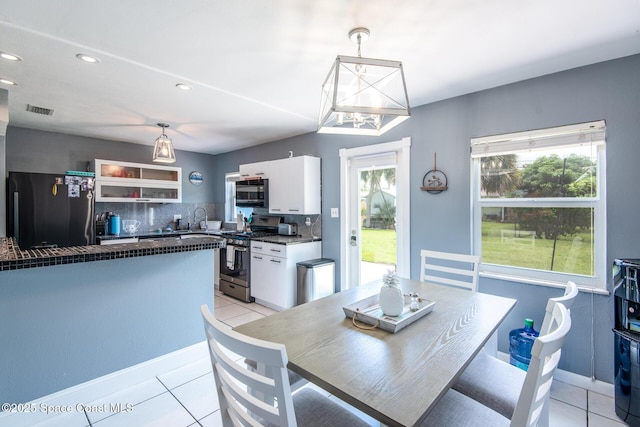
x,y
334,213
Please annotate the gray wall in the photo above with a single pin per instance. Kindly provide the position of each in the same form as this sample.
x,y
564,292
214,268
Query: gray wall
x,y
67,324
608,90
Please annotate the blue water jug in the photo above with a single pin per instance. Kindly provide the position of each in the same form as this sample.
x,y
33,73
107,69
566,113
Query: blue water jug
x,y
520,343
113,226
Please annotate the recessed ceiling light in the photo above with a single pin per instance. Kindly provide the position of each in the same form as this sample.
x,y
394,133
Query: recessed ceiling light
x,y
87,58
10,56
183,86
8,82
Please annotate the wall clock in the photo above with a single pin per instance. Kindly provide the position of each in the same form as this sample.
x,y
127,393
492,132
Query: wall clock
x,y
195,178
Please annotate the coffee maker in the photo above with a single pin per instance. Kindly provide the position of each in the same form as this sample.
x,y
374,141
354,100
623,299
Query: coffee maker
x,y
626,277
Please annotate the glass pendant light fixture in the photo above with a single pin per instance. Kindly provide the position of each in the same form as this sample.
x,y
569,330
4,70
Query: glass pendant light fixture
x,y
363,96
163,150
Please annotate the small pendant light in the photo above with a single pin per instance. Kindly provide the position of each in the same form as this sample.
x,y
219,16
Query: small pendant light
x,y
163,150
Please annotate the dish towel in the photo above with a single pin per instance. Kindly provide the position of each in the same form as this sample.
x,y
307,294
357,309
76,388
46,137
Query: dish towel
x,y
231,257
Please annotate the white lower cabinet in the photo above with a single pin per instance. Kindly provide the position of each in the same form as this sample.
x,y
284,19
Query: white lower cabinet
x,y
274,273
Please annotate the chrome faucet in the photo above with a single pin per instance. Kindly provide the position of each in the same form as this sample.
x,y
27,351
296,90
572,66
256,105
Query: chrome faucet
x,y
206,224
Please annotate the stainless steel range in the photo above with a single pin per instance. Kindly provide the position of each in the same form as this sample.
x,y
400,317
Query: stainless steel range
x,y
235,259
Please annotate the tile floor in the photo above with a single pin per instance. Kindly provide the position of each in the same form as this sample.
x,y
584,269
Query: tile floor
x,y
186,396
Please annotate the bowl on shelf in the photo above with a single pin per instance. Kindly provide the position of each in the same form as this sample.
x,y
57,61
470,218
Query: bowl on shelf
x,y
130,226
210,225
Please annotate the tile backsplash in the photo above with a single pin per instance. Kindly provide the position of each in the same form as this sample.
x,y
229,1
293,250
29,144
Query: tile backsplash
x,y
155,216
313,230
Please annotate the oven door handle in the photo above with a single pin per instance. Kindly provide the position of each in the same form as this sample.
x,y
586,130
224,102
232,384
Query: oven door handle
x,y
239,248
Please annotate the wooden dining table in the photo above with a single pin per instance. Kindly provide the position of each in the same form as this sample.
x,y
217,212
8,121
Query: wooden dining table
x,y
396,378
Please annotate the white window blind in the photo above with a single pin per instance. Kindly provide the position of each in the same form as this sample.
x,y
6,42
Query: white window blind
x,y
565,136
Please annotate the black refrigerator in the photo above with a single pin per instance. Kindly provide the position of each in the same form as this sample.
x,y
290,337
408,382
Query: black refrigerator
x,y
48,210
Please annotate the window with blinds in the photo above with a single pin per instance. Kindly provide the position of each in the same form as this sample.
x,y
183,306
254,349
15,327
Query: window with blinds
x,y
539,205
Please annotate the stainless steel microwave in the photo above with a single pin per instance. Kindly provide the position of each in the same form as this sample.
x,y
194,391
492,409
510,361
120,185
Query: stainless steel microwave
x,y
252,193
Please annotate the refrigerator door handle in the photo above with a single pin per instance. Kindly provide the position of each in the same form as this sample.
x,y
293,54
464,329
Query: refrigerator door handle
x,y
16,217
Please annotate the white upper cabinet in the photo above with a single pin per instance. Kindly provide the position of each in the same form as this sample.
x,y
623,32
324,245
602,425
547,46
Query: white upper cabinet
x,y
255,170
294,186
137,182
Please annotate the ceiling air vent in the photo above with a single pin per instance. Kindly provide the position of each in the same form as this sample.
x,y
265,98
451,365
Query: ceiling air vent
x,y
40,110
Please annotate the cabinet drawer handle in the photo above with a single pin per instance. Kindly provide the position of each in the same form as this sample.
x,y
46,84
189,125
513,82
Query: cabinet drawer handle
x,y
257,257
294,210
257,247
276,209
275,250
275,260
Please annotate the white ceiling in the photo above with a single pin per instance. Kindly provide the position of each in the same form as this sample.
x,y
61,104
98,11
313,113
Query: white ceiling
x,y
256,66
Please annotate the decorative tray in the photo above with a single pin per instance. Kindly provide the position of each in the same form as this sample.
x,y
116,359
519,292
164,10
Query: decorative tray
x,y
368,311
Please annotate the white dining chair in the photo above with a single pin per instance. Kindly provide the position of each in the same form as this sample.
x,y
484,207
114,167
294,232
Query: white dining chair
x,y
570,294
497,384
236,382
458,270
295,380
449,269
456,409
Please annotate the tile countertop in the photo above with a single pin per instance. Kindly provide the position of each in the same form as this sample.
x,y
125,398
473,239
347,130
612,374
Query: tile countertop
x,y
152,234
13,258
278,239
287,240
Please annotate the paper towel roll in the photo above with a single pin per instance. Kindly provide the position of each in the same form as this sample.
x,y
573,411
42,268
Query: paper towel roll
x,y
240,221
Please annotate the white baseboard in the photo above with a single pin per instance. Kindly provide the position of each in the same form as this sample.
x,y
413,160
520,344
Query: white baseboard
x,y
111,383
581,381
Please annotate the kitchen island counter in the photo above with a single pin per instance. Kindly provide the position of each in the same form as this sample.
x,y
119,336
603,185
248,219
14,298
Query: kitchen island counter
x,y
13,258
66,320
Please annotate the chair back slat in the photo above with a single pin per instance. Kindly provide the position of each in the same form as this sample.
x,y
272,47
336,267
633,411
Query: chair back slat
x,y
239,387
450,269
545,356
570,294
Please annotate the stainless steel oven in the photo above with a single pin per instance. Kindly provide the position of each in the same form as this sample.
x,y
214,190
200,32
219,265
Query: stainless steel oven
x,y
235,259
235,269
